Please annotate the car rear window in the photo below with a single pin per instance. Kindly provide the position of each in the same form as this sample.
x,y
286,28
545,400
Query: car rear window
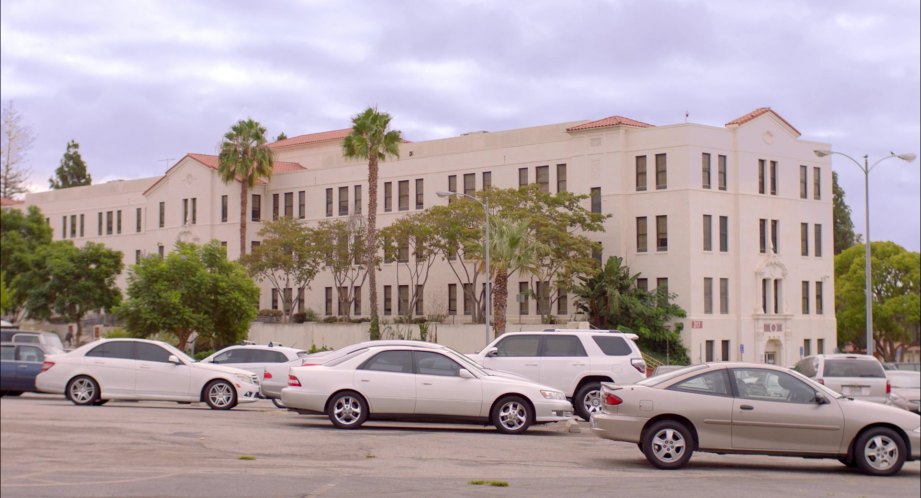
x,y
613,345
853,368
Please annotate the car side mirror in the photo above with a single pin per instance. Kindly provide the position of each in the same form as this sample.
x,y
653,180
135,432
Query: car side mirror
x,y
465,374
820,399
174,360
491,352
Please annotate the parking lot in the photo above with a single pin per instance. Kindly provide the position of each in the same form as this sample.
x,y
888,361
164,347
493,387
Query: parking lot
x,y
49,447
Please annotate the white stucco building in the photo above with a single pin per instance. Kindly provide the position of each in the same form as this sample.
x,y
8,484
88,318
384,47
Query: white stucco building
x,y
737,220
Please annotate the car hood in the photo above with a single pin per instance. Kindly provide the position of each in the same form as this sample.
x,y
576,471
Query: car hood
x,y
220,368
513,380
867,410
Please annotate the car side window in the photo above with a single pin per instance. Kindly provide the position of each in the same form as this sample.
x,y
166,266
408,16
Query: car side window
x,y
7,353
117,349
152,352
223,357
428,363
390,361
278,357
713,383
770,385
30,353
519,345
807,367
562,345
28,338
613,345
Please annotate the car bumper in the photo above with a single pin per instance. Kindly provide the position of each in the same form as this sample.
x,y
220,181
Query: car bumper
x,y
247,393
48,385
618,427
272,391
301,400
552,411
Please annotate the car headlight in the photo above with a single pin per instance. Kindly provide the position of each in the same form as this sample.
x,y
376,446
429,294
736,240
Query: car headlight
x,y
547,394
246,379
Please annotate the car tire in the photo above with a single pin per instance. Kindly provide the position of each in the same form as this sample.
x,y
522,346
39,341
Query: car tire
x,y
848,462
588,400
82,391
512,415
220,395
278,404
348,410
879,451
668,444
100,402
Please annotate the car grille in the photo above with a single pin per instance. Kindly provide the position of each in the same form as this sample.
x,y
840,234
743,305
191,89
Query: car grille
x,y
255,379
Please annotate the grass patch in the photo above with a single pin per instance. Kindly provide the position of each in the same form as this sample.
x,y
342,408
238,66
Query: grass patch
x,y
498,484
247,457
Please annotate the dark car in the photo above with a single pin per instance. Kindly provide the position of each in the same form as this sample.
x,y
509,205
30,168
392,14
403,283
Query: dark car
x,y
19,364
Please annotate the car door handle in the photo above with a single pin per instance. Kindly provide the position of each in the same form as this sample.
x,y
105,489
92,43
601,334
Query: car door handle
x,y
426,383
366,380
144,367
746,407
578,364
530,364
99,363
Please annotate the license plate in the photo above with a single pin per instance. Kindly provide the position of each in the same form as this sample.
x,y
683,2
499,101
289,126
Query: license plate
x,y
856,391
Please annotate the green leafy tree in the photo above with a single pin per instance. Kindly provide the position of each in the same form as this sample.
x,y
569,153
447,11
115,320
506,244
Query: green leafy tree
x,y
612,300
287,258
72,282
72,171
410,241
843,226
281,136
896,290
342,249
245,157
15,142
511,249
22,238
5,299
193,289
371,138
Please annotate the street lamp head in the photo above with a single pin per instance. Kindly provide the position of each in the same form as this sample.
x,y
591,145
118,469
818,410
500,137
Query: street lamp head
x,y
445,194
822,153
907,157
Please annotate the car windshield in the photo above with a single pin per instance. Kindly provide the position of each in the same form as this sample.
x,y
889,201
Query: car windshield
x,y
658,379
173,350
467,362
851,367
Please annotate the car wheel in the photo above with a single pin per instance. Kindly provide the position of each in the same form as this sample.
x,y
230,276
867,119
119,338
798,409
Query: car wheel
x,y
220,395
83,391
348,410
668,445
879,451
512,415
278,404
588,400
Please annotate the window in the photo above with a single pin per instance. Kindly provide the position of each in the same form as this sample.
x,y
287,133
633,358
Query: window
x,y
769,385
64,227
708,232
162,216
329,202
662,290
642,284
403,193
73,226
254,244
803,182
775,236
764,295
641,234
709,351
223,212
640,173
357,194
562,302
804,239
109,222
562,346
487,179
99,227
543,178
661,233
661,172
820,346
356,296
705,170
403,250
194,212
420,191
81,224
403,300
711,383
274,206
160,250
708,295
137,256
301,204
724,234
452,184
818,240
452,299
343,301
388,196
390,361
468,299
560,178
724,346
773,177
805,297
777,295
543,298
596,199
275,299
522,177
343,201
724,296
762,232
524,303
118,221
388,300
185,211
761,166
327,300
721,171
289,204
428,363
256,214
819,305
469,183
807,347
420,307
114,349
612,345
518,346
816,183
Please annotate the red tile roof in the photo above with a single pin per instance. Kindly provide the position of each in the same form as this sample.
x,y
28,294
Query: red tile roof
x,y
9,202
311,138
759,112
609,121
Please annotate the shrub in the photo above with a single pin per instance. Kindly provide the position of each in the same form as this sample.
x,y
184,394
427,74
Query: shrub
x,y
270,313
331,319
201,355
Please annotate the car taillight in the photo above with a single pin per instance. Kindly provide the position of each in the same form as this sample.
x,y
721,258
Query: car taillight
x,y
888,388
292,381
639,364
610,399
309,364
267,375
820,381
46,365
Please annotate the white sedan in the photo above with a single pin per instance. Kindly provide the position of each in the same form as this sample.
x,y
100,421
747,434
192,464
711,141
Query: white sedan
x,y
420,381
270,363
140,369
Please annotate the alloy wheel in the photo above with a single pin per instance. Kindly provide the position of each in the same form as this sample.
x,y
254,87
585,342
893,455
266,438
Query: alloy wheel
x,y
881,452
668,445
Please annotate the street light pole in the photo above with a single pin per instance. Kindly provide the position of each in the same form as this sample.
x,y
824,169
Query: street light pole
x,y
868,285
485,204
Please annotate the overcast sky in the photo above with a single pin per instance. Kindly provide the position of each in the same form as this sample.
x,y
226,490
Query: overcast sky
x,y
140,83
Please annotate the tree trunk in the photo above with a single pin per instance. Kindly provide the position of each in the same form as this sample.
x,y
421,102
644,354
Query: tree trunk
x,y
244,195
372,236
500,301
183,338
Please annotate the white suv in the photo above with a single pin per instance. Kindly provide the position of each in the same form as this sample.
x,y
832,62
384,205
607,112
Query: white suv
x,y
856,376
573,361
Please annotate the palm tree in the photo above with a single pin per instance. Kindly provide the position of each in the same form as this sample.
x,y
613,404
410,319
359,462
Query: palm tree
x,y
512,248
245,156
372,140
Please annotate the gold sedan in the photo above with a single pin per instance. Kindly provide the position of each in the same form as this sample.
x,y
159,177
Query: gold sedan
x,y
754,409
